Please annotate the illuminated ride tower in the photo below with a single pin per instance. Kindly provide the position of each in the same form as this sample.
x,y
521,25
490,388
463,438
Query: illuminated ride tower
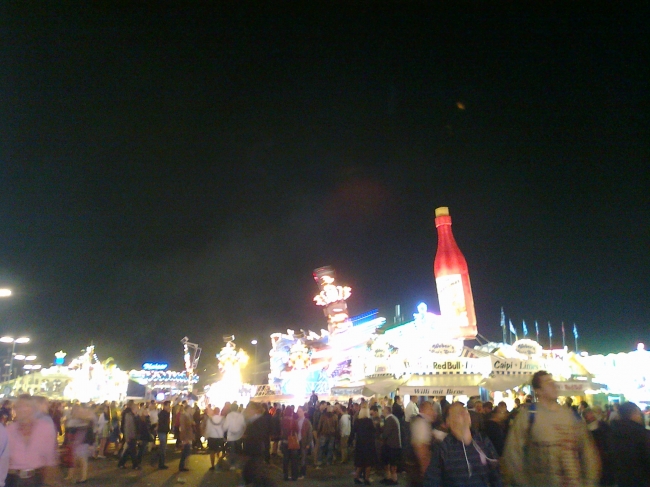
x,y
452,280
332,299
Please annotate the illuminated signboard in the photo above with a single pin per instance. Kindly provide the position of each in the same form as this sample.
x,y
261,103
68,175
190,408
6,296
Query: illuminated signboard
x,y
154,366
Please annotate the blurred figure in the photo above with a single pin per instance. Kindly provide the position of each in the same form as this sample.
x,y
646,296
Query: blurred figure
x,y
548,446
365,452
463,458
130,436
304,429
143,425
103,429
164,427
421,438
213,431
600,432
79,436
32,447
630,448
345,428
290,457
186,431
392,447
496,428
234,426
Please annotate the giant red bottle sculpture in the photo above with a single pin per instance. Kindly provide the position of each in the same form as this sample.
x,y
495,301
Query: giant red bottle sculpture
x,y
452,278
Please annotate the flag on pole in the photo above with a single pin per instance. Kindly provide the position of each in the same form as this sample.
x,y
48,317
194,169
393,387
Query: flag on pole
x,y
503,324
513,330
563,336
575,331
525,329
537,330
550,330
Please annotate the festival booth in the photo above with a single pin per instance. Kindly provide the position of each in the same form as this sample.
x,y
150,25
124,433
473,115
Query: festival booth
x,y
85,379
623,374
159,383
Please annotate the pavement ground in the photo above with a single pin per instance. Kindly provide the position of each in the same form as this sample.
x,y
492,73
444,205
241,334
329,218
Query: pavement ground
x,y
105,473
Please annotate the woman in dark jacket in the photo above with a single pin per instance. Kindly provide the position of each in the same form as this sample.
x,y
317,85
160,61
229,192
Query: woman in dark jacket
x,y
365,453
288,427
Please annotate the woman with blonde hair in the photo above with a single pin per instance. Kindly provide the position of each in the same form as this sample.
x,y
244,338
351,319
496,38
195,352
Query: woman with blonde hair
x,y
365,453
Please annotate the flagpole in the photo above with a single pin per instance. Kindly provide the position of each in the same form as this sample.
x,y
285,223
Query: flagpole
x,y
503,324
537,330
575,336
563,336
550,336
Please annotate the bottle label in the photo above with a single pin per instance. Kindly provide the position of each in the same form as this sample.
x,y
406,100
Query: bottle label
x,y
451,295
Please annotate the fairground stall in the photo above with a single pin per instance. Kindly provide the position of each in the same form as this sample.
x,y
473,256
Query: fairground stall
x,y
85,379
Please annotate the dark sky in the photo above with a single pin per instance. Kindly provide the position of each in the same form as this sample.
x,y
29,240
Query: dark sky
x,y
181,170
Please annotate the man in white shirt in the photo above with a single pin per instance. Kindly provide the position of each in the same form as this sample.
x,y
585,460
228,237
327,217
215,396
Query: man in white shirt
x,y
234,426
411,410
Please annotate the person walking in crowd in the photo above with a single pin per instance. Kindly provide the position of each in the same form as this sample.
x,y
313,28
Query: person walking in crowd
x,y
548,446
114,436
327,429
143,424
422,437
392,445
164,425
463,458
289,445
365,452
234,426
153,421
276,420
33,455
79,439
254,443
345,428
197,418
213,431
186,431
630,447
103,429
600,432
130,436
304,430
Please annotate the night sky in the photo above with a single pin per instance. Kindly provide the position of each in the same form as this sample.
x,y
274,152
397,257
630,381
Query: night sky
x,y
171,171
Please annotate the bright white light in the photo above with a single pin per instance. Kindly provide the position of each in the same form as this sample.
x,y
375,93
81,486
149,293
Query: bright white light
x,y
6,340
640,346
27,367
19,357
5,293
22,340
36,367
253,342
30,357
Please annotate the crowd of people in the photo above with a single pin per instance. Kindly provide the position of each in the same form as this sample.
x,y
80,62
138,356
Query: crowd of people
x,y
435,443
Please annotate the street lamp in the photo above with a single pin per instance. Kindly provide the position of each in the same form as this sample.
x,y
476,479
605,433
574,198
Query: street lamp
x,y
5,293
13,342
